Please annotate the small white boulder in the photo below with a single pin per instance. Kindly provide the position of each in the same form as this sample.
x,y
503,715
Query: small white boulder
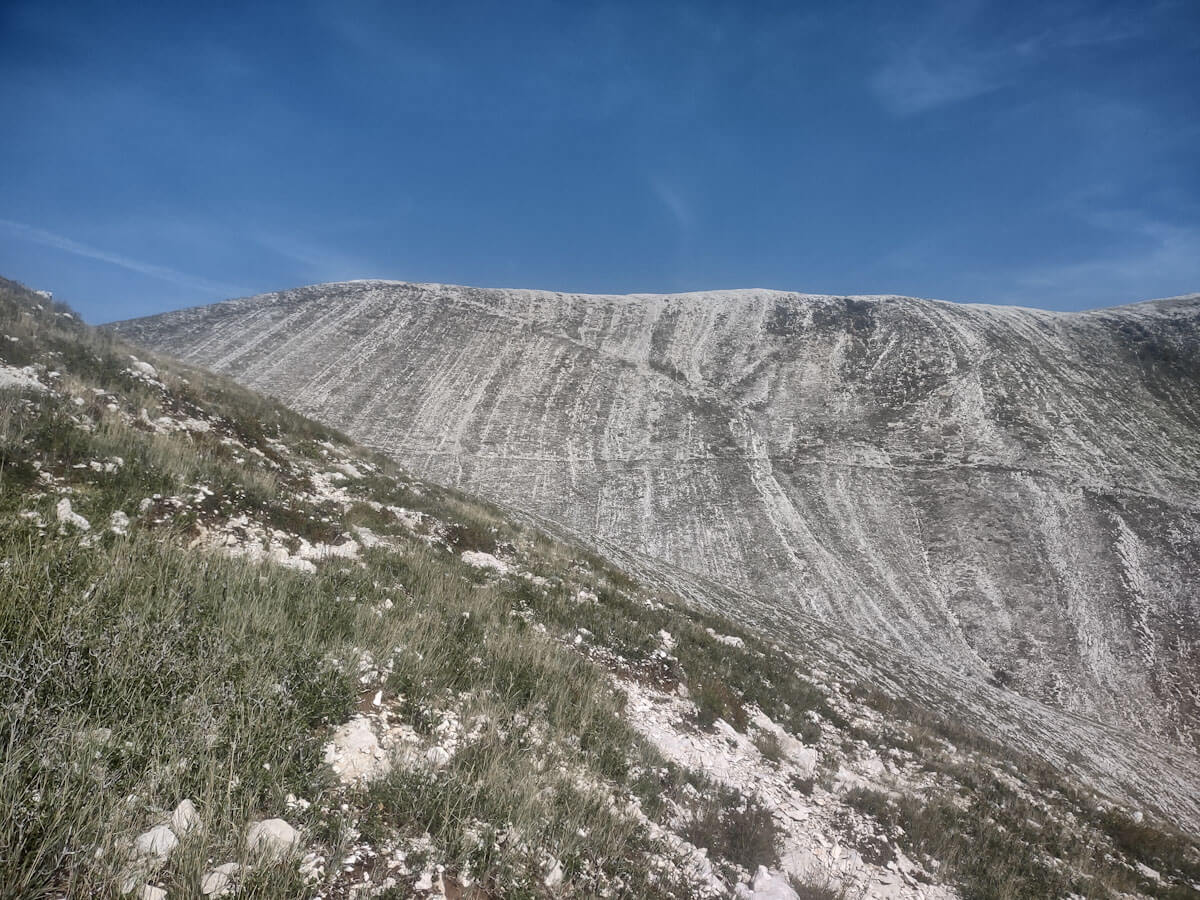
x,y
484,561
185,817
219,881
157,843
68,516
273,838
554,875
772,886
355,754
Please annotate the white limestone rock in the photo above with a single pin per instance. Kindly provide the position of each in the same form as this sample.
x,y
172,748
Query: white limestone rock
x,y
219,881
24,379
68,516
143,368
554,872
355,754
425,882
157,844
438,757
185,818
768,885
484,561
272,838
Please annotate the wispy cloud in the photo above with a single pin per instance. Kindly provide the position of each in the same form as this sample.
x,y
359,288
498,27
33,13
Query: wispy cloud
x,y
675,203
36,235
913,82
953,58
1147,257
1164,260
319,260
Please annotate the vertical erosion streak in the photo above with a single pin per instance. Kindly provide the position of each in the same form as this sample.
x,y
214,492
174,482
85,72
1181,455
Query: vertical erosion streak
x,y
1129,552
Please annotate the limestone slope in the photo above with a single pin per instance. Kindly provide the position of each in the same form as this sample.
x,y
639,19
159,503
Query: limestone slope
x,y
1004,494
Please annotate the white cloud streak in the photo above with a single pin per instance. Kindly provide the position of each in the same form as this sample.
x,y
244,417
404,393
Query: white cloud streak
x,y
944,63
317,259
36,235
1165,263
675,203
911,83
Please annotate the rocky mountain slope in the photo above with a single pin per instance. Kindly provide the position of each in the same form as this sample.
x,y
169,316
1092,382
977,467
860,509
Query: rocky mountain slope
x,y
1010,494
240,654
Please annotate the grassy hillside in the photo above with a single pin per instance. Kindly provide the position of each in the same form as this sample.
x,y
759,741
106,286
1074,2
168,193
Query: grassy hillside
x,y
205,597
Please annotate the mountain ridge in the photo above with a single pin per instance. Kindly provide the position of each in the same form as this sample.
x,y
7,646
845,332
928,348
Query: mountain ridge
x,y
1179,299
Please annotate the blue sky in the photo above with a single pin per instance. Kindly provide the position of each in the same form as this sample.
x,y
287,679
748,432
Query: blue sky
x,y
165,155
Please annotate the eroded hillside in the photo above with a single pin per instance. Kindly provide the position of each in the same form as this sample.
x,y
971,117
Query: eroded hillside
x,y
1009,494
240,653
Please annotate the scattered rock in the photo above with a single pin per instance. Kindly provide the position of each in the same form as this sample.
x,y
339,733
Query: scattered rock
x,y
219,881
484,561
272,838
150,892
157,843
21,379
1146,872
355,753
554,875
185,818
68,516
805,760
118,523
768,885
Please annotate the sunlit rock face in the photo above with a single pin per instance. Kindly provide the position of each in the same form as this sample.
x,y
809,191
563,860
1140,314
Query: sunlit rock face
x,y
1008,494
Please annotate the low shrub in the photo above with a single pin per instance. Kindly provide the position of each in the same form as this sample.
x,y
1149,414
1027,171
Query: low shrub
x,y
735,828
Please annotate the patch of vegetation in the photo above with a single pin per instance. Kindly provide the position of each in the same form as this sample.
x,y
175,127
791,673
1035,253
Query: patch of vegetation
x,y
735,828
990,859
802,784
1150,844
769,746
998,845
471,536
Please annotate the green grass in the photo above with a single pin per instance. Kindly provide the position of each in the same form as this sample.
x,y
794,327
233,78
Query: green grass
x,y
217,683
